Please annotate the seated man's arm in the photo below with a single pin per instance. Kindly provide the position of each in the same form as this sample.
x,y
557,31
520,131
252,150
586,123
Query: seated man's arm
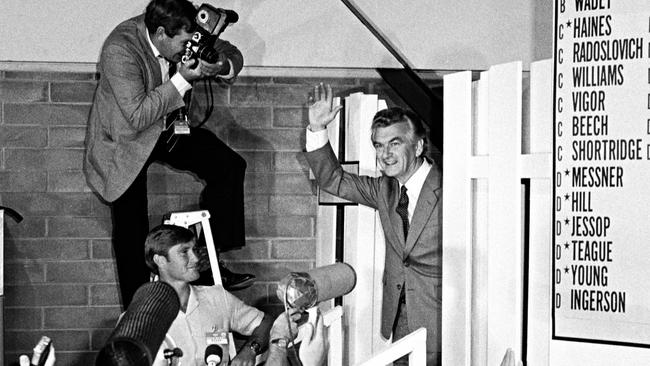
x,y
248,321
283,331
255,345
313,349
277,355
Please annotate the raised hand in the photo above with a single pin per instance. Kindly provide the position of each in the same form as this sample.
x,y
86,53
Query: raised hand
x,y
313,350
321,111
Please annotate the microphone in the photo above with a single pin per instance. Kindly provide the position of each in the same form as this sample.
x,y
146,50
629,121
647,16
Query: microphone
x,y
142,328
303,290
213,355
41,351
217,350
172,353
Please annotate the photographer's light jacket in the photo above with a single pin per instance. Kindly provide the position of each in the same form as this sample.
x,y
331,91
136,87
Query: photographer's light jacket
x,y
129,107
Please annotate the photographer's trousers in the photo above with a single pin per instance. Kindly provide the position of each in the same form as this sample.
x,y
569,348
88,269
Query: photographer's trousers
x,y
209,159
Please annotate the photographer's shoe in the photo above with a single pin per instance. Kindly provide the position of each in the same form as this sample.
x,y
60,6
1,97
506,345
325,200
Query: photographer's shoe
x,y
235,281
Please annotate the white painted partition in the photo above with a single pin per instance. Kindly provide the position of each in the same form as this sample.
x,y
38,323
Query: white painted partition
x,y
539,283
485,159
362,234
494,138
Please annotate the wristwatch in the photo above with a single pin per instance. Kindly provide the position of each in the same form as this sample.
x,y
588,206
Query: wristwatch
x,y
281,342
256,347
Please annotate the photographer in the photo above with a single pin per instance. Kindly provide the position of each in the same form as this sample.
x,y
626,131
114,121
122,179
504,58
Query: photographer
x,y
129,128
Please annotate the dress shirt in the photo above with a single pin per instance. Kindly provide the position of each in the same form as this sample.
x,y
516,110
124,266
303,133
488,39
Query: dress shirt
x,y
414,186
209,308
177,79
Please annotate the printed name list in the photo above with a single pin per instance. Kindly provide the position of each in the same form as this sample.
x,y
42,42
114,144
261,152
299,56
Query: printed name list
x,y
601,195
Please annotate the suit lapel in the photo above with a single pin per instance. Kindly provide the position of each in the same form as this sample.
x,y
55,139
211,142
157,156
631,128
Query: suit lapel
x,y
424,208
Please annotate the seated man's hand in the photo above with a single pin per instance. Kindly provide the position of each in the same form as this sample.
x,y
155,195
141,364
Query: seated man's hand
x,y
281,326
313,349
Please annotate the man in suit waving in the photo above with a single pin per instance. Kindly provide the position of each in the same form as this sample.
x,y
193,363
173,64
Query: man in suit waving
x,y
408,197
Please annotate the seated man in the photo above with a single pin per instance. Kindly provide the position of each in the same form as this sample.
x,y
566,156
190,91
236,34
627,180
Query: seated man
x,y
204,310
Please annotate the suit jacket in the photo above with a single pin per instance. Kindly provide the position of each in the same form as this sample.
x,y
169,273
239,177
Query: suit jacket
x,y
415,264
129,108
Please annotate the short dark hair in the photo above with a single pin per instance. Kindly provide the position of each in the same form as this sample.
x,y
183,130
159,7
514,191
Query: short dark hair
x,y
160,239
391,116
173,15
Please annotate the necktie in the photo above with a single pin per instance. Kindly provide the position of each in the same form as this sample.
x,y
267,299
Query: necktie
x,y
169,120
402,210
172,69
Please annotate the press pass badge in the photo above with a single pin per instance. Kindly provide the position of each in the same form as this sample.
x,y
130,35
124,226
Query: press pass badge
x,y
216,338
181,125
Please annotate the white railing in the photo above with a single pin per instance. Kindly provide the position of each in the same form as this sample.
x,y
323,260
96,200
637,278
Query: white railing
x,y
413,345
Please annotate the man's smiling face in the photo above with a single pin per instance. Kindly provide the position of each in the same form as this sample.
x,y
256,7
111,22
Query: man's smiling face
x,y
397,150
180,264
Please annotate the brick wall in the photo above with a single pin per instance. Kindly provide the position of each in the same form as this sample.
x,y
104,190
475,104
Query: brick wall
x,y
59,273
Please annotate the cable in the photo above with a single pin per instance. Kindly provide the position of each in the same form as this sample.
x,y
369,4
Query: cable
x,y
286,312
209,99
